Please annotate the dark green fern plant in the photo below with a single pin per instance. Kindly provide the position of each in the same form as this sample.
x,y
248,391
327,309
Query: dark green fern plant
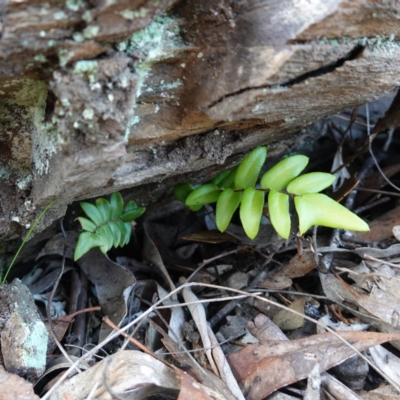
x,y
282,184
108,224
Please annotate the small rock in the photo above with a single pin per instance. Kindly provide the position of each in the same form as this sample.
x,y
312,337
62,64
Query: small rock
x,y
23,334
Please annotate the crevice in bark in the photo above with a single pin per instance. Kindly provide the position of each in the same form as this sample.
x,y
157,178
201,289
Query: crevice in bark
x,y
327,69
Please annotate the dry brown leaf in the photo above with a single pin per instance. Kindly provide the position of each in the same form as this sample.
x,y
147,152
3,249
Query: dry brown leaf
x,y
264,329
150,377
378,303
383,392
190,389
263,368
381,228
61,325
295,268
14,387
337,389
199,316
286,320
113,285
213,237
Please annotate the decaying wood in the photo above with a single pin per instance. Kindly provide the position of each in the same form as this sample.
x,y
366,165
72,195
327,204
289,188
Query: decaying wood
x,y
106,95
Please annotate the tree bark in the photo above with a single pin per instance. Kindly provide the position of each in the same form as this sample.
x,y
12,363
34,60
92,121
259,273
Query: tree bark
x,y
99,96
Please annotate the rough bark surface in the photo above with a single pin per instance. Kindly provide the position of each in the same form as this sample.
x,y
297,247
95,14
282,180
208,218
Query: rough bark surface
x,y
98,96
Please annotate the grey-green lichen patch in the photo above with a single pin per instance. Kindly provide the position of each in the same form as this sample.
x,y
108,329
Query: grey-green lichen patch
x,y
40,58
132,14
59,15
35,345
91,31
22,112
171,85
74,5
87,68
158,41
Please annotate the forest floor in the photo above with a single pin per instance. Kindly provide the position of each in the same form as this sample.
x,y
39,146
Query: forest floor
x,y
212,315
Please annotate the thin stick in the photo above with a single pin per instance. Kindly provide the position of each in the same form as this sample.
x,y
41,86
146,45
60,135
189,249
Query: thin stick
x,y
377,191
368,257
131,339
208,261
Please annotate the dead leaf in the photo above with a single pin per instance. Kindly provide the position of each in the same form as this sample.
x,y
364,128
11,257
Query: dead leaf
x,y
387,362
150,377
213,237
312,391
177,316
190,389
264,329
151,253
113,285
14,387
61,325
383,392
223,366
297,267
206,377
337,389
199,316
263,368
381,228
378,303
286,320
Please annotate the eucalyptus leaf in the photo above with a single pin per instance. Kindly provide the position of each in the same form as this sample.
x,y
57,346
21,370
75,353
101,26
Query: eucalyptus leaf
x,y
278,205
279,176
204,194
93,213
117,205
313,182
250,167
251,209
319,209
227,204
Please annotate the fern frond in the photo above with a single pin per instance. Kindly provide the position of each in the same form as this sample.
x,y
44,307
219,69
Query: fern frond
x,y
108,224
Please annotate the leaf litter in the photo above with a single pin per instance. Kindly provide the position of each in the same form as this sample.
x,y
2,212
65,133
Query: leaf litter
x,y
200,314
